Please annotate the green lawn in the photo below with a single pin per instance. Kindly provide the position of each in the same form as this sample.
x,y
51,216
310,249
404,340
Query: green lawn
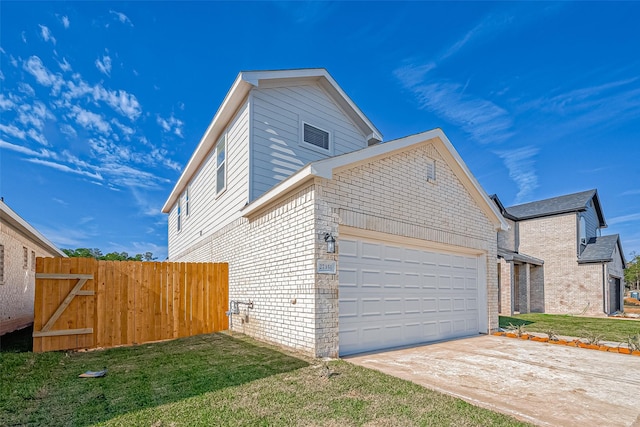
x,y
581,327
216,380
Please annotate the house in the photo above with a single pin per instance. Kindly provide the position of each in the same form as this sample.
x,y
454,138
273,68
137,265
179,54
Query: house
x,y
336,243
20,244
553,259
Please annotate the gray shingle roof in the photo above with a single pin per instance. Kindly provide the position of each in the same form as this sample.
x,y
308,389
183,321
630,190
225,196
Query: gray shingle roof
x,y
556,205
600,249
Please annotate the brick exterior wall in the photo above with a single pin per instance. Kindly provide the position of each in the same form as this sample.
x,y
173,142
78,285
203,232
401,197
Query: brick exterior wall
x,y
272,255
569,287
17,287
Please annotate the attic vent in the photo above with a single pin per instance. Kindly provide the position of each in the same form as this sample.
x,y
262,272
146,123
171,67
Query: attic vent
x,y
315,136
431,170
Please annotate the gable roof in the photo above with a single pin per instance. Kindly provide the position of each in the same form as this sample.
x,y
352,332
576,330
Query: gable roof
x,y
8,216
576,202
327,167
601,249
244,82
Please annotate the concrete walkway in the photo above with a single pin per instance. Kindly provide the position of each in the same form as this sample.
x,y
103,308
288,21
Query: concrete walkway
x,y
544,384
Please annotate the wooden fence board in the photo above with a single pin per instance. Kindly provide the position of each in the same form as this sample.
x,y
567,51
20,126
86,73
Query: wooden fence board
x,y
126,302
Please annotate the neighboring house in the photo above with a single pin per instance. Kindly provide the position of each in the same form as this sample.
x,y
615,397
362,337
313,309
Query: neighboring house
x,y
288,164
20,244
553,259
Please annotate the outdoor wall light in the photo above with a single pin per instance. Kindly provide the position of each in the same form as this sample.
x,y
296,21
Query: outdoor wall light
x,y
331,243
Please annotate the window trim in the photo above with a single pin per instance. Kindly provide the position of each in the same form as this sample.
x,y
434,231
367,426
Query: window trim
x,y
431,166
311,146
179,224
224,163
25,258
33,260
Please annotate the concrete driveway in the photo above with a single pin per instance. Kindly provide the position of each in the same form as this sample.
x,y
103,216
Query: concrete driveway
x,y
540,383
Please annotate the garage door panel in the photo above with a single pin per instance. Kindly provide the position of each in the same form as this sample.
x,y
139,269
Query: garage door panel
x,y
371,307
392,295
430,281
444,305
348,307
371,251
348,248
430,305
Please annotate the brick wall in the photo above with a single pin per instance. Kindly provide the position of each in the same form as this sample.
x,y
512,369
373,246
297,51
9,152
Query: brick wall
x,y
568,286
392,195
18,285
272,255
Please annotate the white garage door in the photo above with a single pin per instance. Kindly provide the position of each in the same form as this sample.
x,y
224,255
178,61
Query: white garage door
x,y
392,295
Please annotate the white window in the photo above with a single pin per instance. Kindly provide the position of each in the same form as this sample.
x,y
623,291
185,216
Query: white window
x,y
33,260
315,138
25,258
179,213
221,165
186,202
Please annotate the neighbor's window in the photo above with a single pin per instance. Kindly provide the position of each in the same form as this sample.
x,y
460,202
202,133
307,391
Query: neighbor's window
x,y
1,264
33,260
221,165
315,136
25,258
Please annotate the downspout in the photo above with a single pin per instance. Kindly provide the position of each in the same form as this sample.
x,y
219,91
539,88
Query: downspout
x,y
604,292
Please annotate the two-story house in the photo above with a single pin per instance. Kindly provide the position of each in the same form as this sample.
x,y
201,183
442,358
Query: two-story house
x,y
553,259
336,243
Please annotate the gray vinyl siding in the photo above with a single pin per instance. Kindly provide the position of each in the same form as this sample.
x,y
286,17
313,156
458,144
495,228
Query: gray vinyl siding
x,y
208,211
276,118
591,218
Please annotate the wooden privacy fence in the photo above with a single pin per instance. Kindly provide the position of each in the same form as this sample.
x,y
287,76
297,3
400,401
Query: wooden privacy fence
x,y
83,303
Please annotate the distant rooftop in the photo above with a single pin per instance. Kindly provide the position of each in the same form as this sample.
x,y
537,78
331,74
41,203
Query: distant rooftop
x,y
600,249
575,202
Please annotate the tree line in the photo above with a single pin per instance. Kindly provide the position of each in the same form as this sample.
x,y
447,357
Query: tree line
x,y
632,272
111,256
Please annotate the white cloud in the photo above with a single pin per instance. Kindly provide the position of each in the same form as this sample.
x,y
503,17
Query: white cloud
x,y
124,19
104,65
6,103
23,36
65,21
26,89
172,124
46,34
64,65
485,121
90,120
624,218
12,130
36,68
68,130
18,148
38,137
521,165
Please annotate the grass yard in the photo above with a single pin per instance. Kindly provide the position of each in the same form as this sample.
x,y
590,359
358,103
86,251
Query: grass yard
x,y
581,327
216,380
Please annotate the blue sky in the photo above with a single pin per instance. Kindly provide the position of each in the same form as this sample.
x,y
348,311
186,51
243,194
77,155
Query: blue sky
x,y
103,103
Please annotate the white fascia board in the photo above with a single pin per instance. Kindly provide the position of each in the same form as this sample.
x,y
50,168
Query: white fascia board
x,y
283,187
8,216
229,105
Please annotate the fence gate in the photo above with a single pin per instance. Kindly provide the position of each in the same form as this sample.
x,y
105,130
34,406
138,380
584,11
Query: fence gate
x,y
85,303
